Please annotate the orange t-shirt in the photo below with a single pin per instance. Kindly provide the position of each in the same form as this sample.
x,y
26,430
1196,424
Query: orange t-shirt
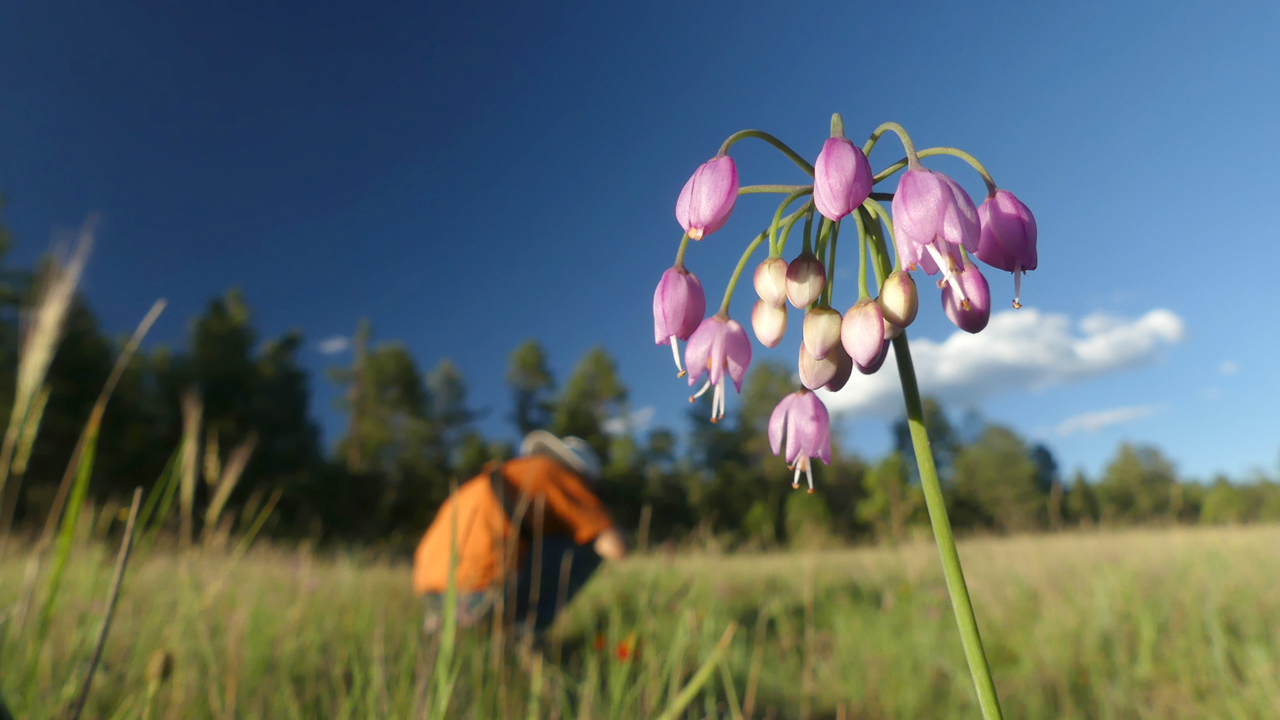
x,y
484,532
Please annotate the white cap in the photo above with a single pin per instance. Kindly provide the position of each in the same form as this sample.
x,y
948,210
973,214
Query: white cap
x,y
572,451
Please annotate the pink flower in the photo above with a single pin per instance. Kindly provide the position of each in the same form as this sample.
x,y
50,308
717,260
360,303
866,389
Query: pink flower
x,y
708,197
933,218
815,373
806,278
769,322
844,369
841,179
678,307
821,331
770,280
807,426
898,299
719,344
971,314
1008,237
863,336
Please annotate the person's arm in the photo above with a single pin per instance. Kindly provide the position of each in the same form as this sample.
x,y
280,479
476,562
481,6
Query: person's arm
x,y
610,545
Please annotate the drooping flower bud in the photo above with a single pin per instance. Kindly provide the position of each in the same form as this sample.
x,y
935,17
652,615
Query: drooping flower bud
x,y
974,317
1008,237
891,331
806,278
708,197
899,302
841,179
806,424
769,323
844,369
815,373
821,331
678,307
771,281
862,334
719,347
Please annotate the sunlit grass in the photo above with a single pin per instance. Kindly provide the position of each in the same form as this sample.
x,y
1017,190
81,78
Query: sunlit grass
x,y
1159,623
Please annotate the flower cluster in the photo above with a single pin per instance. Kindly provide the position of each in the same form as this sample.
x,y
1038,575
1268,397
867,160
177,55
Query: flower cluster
x,y
932,225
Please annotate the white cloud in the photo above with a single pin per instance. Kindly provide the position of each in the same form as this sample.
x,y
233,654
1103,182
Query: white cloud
x,y
1019,350
1228,367
1092,422
635,421
334,344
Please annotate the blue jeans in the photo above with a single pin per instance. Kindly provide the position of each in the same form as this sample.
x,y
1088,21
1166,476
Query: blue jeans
x,y
474,607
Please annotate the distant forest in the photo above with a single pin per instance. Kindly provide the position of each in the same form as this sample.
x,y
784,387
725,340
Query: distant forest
x,y
410,433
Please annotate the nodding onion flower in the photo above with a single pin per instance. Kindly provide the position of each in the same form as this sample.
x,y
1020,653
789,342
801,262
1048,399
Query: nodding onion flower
x,y
803,418
933,218
708,197
678,307
718,347
1008,237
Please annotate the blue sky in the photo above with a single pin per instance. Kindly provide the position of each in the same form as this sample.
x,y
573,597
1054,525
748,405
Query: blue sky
x,y
468,179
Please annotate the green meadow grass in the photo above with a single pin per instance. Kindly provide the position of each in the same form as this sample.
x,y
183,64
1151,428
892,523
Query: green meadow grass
x,y
1153,623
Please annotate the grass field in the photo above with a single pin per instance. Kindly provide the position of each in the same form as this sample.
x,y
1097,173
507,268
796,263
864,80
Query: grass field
x,y
1158,623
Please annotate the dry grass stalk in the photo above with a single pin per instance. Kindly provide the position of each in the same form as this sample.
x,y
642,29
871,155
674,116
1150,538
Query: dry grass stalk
x,y
122,560
90,431
212,458
42,329
192,410
231,473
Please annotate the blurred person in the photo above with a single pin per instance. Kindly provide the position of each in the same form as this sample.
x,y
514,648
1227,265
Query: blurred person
x,y
497,521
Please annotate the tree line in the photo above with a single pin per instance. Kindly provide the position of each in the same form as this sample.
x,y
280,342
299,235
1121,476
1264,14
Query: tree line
x,y
410,434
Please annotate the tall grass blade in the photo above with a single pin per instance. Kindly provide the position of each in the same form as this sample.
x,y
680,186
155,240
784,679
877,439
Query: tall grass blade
x,y
30,429
39,343
80,469
735,710
192,410
231,473
158,491
122,560
444,670
700,677
247,540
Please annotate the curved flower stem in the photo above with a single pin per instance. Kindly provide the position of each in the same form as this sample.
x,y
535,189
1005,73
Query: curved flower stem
x,y
820,242
779,189
862,255
786,228
733,279
907,145
684,243
877,210
930,152
777,216
831,264
808,233
887,197
762,135
951,570
742,261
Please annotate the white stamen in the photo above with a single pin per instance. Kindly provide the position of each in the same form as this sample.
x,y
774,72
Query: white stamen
x,y
948,273
717,402
675,353
1017,286
808,472
795,479
698,394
